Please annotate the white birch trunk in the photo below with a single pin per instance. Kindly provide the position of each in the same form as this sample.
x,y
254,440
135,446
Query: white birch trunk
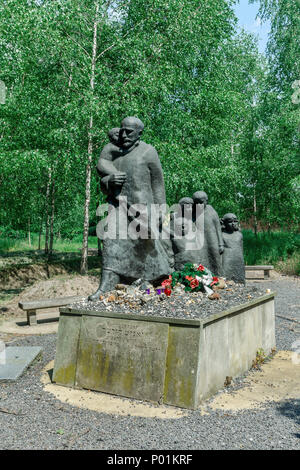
x,y
84,256
255,211
29,237
47,211
52,219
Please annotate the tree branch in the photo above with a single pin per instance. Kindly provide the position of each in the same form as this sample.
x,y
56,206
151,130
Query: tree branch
x,y
78,44
116,42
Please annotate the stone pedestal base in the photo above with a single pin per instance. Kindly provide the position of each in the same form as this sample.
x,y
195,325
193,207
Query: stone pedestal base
x,y
166,360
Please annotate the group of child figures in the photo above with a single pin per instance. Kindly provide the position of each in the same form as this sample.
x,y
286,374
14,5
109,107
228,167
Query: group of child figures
x,y
219,246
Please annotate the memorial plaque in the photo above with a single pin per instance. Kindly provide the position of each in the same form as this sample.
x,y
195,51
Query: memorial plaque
x,y
122,357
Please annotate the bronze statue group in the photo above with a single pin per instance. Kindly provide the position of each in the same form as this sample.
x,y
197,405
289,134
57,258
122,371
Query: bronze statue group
x,y
220,246
131,169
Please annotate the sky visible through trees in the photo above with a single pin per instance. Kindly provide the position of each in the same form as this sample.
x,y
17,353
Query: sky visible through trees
x,y
249,19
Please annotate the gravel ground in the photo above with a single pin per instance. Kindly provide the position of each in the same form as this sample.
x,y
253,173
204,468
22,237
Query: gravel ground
x,y
42,418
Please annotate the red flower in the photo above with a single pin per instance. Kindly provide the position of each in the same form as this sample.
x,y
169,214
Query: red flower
x,y
194,283
189,278
167,283
168,292
215,281
201,268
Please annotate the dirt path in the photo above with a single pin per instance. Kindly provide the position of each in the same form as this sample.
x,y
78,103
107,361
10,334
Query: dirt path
x,y
58,286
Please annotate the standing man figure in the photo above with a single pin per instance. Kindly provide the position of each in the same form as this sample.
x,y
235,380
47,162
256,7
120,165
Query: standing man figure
x,y
213,246
133,172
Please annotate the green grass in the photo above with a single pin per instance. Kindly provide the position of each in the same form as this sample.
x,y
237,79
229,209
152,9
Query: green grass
x,y
9,244
291,266
282,249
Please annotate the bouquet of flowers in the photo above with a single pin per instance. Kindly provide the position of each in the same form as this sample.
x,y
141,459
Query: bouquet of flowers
x,y
194,277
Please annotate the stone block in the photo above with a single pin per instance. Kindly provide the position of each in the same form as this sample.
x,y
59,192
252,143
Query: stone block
x,y
179,362
122,357
238,343
214,357
16,359
66,350
181,367
268,326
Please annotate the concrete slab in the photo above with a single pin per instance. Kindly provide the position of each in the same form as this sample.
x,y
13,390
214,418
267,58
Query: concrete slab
x,y
17,360
268,326
251,275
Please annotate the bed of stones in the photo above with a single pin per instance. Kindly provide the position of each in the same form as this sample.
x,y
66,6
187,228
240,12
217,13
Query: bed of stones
x,y
149,301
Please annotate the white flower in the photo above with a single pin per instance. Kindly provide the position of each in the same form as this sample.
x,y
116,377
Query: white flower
x,y
208,290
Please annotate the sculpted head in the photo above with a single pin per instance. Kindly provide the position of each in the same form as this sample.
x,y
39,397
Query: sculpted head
x,y
186,201
131,131
114,135
186,205
200,197
230,222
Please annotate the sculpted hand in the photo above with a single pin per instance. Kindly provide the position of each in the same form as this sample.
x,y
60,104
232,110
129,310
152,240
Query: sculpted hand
x,y
118,178
221,249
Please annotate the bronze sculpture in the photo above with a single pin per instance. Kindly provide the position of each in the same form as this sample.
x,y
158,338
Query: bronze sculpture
x,y
233,259
183,234
131,174
213,246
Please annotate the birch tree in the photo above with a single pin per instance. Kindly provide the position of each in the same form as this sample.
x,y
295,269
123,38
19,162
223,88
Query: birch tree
x,y
75,68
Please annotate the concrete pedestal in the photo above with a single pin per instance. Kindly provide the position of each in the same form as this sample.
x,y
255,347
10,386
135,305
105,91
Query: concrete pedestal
x,y
173,361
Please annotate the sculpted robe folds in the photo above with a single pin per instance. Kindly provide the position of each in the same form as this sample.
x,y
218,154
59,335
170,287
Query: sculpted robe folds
x,y
209,254
185,248
233,258
141,258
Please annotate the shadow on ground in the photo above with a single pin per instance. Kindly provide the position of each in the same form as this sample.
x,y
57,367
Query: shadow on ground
x,y
43,321
291,409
